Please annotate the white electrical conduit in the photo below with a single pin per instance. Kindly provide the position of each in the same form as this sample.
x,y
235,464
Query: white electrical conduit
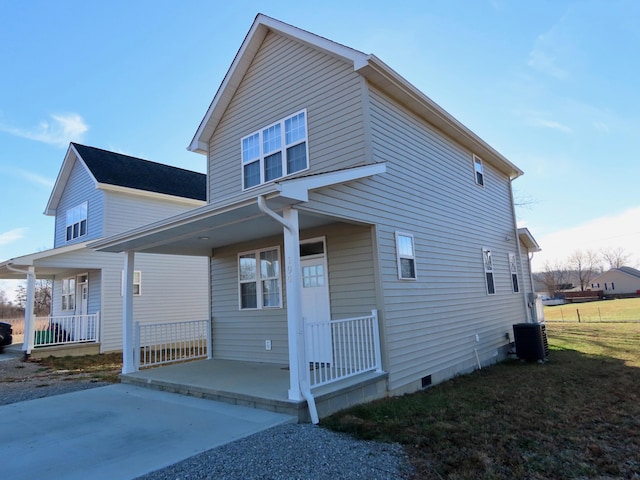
x,y
304,387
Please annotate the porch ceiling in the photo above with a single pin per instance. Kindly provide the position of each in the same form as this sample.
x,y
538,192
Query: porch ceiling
x,y
200,230
217,229
47,263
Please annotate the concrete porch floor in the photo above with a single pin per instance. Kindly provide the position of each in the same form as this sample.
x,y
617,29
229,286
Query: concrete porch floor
x,y
258,385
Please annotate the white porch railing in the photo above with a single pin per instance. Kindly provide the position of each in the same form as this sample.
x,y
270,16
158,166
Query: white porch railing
x,y
66,329
342,348
162,343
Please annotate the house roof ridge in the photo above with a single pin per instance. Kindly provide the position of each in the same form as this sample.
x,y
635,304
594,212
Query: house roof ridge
x,y
630,271
122,170
111,152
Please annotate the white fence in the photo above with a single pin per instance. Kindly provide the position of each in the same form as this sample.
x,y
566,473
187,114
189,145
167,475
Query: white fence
x,y
162,343
66,329
342,348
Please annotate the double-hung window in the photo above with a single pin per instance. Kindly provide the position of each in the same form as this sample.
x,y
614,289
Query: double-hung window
x,y
259,279
275,151
513,267
406,256
137,283
488,271
478,170
76,222
69,293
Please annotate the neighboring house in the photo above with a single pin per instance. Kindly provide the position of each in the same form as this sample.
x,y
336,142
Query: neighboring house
x,y
618,281
97,194
337,190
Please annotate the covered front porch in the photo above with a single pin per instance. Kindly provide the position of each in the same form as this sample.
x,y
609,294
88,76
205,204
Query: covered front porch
x,y
71,330
271,319
258,385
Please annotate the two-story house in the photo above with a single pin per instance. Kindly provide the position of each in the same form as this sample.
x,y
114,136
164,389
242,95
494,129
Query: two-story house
x,y
98,194
362,242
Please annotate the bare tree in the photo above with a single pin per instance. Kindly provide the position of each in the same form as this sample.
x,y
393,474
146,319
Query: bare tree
x,y
615,257
8,309
42,297
585,264
554,277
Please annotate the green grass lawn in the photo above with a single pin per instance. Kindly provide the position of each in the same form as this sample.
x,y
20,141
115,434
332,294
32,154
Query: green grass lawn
x,y
577,416
621,310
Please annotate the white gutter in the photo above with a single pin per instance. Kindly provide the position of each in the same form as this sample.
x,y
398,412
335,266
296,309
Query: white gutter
x,y
302,377
262,205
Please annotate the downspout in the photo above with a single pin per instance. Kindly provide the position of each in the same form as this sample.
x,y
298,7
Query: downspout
x,y
29,327
303,383
517,239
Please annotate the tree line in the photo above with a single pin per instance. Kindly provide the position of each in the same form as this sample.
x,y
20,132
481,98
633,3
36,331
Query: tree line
x,y
580,268
41,302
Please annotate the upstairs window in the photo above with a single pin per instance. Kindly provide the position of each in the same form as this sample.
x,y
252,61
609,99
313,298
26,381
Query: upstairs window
x,y
488,271
478,169
259,279
76,222
513,267
275,151
406,256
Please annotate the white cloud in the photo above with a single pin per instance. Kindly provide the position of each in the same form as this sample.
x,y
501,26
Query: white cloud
x,y
12,236
620,230
545,61
35,178
59,131
541,122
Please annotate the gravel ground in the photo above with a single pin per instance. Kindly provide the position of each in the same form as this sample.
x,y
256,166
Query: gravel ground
x,y
292,451
20,381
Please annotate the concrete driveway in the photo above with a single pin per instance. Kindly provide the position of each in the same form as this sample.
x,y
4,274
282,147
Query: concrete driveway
x,y
117,432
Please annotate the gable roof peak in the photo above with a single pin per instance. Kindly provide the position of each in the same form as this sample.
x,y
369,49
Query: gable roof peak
x,y
376,72
120,170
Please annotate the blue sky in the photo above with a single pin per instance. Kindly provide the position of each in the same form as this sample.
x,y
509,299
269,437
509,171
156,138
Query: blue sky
x,y
552,85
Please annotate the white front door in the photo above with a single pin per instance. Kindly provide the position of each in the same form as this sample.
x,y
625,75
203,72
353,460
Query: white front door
x,y
316,309
82,303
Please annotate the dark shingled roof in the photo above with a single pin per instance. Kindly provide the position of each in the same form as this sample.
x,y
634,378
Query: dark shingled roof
x,y
630,271
125,171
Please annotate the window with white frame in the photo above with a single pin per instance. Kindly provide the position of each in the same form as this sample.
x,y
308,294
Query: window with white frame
x,y
406,256
478,170
275,151
488,271
68,293
259,281
137,283
76,222
513,267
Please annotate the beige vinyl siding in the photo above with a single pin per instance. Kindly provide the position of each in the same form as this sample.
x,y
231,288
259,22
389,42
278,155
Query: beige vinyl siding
x,y
429,191
285,77
241,335
174,288
127,211
79,188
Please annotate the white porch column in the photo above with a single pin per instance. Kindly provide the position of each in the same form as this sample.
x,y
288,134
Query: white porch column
x,y
128,359
29,319
295,325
